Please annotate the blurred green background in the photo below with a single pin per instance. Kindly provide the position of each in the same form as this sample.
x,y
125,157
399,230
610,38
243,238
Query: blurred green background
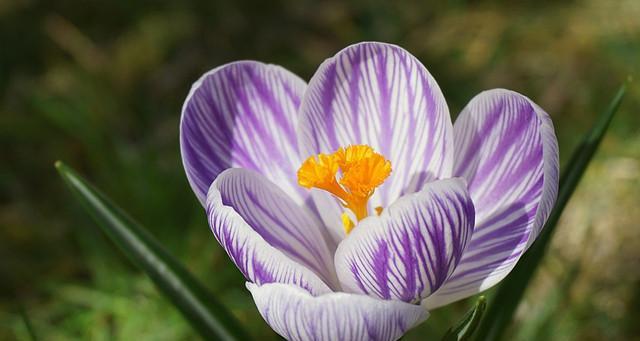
x,y
99,84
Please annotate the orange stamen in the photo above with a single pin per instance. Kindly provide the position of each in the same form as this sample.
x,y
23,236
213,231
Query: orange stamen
x,y
362,171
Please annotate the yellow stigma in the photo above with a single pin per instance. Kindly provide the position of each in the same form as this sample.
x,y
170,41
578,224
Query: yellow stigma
x,y
362,170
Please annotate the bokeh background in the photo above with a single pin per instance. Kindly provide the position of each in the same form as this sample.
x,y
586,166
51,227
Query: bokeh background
x,y
99,84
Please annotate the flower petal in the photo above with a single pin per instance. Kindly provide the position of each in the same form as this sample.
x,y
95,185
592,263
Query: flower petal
x,y
296,315
242,114
268,236
380,95
507,150
412,247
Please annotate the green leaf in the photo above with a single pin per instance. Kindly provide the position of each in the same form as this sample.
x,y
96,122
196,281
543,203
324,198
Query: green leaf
x,y
206,314
510,292
464,330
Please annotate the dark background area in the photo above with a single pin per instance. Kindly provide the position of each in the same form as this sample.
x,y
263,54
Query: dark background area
x,y
100,84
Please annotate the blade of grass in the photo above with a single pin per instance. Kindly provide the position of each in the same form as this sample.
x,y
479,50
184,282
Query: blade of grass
x,y
27,324
464,330
510,292
210,318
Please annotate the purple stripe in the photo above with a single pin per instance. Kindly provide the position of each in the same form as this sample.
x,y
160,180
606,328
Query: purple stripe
x,y
509,166
380,95
299,316
242,114
279,221
256,262
403,254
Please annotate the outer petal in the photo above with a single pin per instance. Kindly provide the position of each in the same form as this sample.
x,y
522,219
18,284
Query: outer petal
x,y
296,315
507,150
380,95
412,248
242,114
268,237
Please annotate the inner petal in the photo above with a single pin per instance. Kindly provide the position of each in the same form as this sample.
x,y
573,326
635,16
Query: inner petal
x,y
379,95
264,209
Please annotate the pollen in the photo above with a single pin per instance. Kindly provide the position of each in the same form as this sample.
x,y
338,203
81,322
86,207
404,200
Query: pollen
x,y
347,223
351,174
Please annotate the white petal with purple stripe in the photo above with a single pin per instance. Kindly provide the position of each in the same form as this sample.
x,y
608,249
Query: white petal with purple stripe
x,y
412,247
268,237
507,150
296,315
380,95
242,114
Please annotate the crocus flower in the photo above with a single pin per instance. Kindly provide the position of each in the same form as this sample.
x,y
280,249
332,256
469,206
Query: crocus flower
x,y
351,204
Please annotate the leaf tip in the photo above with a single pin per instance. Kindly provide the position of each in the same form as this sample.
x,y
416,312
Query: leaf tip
x,y
61,167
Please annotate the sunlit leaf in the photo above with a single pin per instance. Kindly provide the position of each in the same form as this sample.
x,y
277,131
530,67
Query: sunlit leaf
x,y
206,314
465,328
510,292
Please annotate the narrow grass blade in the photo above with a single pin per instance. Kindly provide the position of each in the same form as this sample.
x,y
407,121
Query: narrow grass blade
x,y
465,329
27,324
510,292
208,317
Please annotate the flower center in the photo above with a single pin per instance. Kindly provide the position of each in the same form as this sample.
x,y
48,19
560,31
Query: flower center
x,y
351,174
